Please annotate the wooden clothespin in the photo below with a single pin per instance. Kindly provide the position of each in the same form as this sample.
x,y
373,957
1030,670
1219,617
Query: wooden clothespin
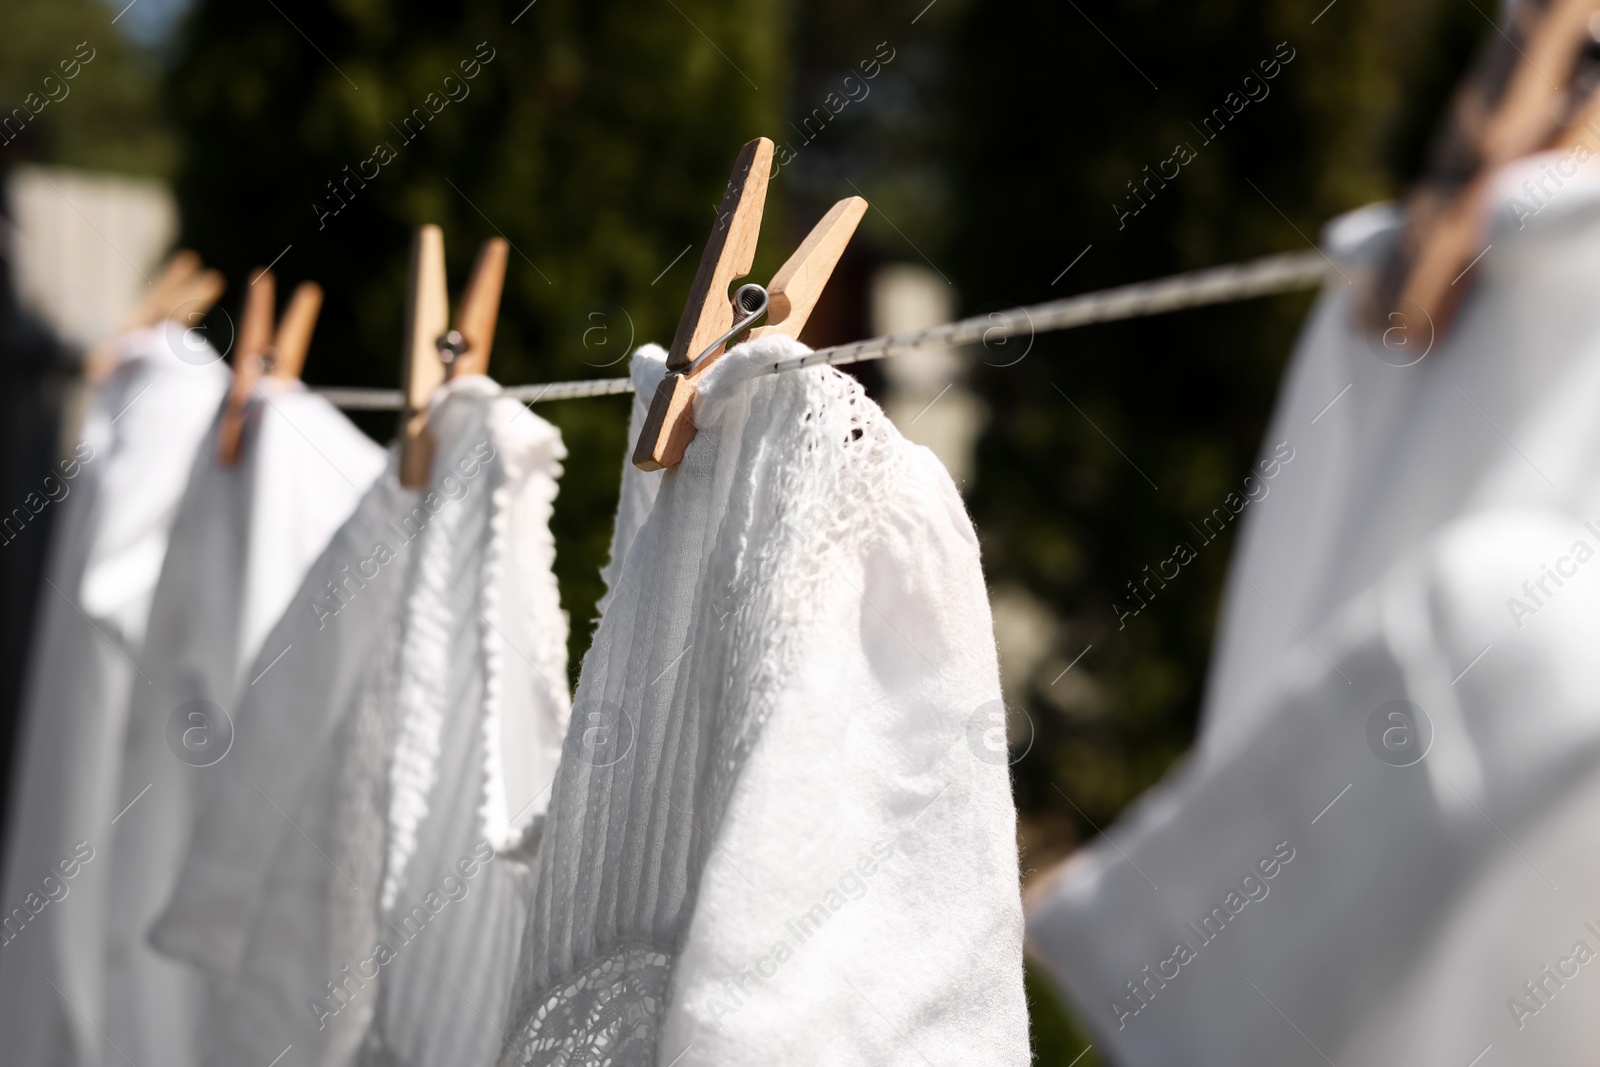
x,y
1508,107
431,353
707,324
262,351
184,290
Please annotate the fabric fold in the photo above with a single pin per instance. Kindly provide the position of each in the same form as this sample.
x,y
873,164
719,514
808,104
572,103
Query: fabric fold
x,y
775,836
242,541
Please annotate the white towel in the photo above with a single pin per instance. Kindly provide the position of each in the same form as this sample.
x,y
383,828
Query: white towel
x,y
1342,876
242,541
139,440
343,884
776,835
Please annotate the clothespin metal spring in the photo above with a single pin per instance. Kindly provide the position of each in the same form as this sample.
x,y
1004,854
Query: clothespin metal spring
x,y
750,298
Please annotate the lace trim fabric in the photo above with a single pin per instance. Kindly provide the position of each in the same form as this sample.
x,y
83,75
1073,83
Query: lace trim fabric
x,y
803,462
521,552
420,703
843,457
608,1016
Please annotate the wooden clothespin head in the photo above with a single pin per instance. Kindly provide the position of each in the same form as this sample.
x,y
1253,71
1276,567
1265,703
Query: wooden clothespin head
x,y
431,351
292,339
255,335
1507,107
262,351
708,323
184,291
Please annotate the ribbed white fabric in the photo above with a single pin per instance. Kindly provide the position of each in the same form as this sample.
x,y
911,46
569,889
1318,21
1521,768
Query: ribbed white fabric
x,y
773,837
242,541
343,877
1415,901
482,707
139,439
638,492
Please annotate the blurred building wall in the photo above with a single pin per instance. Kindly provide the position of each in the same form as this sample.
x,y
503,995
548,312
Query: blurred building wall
x,y
85,246
926,395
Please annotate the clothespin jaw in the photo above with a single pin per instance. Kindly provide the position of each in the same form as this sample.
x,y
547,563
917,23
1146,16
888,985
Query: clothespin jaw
x,y
184,289
798,285
166,291
428,341
1507,108
727,257
292,340
421,369
709,315
265,352
480,309
254,338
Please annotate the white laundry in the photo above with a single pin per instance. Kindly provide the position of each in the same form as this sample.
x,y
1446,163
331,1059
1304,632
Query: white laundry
x,y
241,543
1344,409
1342,877
138,445
357,884
776,834
638,491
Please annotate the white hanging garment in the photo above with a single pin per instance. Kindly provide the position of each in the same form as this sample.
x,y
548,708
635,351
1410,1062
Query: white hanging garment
x,y
481,709
139,439
638,492
242,541
357,884
249,908
1385,859
1343,413
776,835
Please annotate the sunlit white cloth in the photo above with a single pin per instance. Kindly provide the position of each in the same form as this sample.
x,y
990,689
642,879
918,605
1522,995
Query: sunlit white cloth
x,y
242,541
356,884
778,834
138,444
1400,761
638,489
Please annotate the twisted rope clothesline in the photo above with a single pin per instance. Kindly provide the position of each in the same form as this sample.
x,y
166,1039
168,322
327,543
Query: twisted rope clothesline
x,y
1214,285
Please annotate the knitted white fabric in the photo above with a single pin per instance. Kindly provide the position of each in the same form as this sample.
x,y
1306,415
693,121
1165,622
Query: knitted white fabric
x,y
1342,875
344,877
139,439
774,838
242,541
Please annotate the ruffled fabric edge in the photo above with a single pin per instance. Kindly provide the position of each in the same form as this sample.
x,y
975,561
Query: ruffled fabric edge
x,y
530,456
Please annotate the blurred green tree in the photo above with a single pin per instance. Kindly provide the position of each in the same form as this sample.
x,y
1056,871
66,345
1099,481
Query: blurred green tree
x,y
1105,443
104,117
596,138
